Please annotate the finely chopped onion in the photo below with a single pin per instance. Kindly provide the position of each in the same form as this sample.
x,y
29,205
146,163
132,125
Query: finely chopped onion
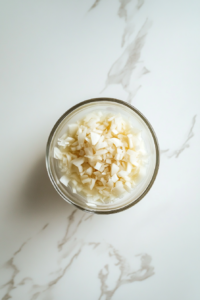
x,y
101,157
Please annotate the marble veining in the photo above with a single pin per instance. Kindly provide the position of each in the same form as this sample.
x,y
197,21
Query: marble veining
x,y
125,275
94,4
10,284
128,69
69,248
186,144
128,17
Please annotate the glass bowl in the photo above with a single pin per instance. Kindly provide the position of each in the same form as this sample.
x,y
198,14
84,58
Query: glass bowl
x,y
107,105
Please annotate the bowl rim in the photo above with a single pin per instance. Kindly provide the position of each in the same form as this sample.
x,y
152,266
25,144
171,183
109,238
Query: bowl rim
x,y
101,99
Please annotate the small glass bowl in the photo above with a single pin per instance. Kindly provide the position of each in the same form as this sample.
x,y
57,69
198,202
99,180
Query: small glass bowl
x,y
107,105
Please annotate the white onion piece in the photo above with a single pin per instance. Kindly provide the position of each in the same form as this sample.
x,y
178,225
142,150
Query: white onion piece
x,y
82,136
92,183
101,145
94,138
89,171
86,180
100,152
116,142
114,178
70,139
122,174
72,129
57,153
114,169
78,161
127,187
64,180
98,166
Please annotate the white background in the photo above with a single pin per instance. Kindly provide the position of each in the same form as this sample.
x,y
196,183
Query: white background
x,y
53,55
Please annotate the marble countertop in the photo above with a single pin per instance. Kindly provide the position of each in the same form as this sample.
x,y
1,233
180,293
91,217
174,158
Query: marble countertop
x,y
53,55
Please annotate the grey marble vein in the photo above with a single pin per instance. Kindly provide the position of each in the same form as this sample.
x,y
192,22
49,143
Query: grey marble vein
x,y
94,244
71,220
144,272
122,12
71,252
11,264
185,144
128,64
128,18
66,237
140,3
122,69
94,4
45,226
44,288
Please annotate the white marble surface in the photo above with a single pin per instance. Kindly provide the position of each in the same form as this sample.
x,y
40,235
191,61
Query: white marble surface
x,y
54,54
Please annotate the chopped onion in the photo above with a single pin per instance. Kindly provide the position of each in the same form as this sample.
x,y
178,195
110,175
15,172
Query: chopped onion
x,y
98,166
116,142
101,156
94,138
64,180
114,178
57,153
78,161
72,129
114,169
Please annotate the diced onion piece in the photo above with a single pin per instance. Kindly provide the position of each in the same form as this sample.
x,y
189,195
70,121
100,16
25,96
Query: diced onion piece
x,y
57,153
116,142
129,168
86,180
78,161
119,184
82,136
133,157
114,178
95,138
130,140
127,186
122,174
114,169
80,168
92,183
110,183
92,123
98,166
62,137
89,171
70,139
88,151
118,191
100,152
108,161
115,131
73,148
64,180
72,129
102,168
118,156
101,145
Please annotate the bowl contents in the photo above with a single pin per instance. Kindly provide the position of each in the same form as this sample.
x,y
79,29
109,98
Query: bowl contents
x,y
101,157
